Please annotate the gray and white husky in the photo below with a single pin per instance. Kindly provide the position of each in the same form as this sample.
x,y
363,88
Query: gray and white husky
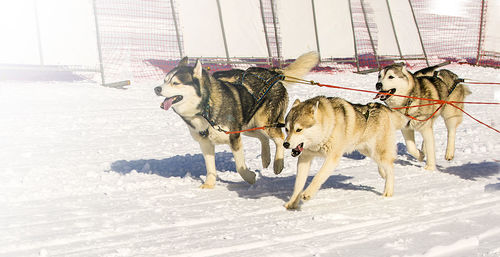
x,y
233,100
428,83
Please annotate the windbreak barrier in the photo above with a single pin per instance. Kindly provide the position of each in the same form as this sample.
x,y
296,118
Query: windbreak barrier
x,y
49,33
141,40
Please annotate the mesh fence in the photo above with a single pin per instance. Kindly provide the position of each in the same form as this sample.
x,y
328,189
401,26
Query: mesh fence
x,y
142,40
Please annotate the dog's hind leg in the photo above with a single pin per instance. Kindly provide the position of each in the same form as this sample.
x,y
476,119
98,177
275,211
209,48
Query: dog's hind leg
x,y
208,150
451,124
265,153
323,174
388,169
278,138
409,136
303,166
239,159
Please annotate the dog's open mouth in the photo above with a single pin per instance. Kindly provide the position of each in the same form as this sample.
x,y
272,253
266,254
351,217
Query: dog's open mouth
x,y
382,94
169,101
298,150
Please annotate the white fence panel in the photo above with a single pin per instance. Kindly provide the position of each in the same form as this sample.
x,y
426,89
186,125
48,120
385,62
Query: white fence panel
x,y
297,27
67,31
244,29
492,27
19,36
333,19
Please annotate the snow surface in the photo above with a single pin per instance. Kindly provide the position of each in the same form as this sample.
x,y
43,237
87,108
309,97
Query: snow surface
x,y
94,171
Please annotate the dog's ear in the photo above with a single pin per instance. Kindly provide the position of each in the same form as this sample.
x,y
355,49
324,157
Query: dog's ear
x,y
184,61
296,102
406,72
198,70
315,109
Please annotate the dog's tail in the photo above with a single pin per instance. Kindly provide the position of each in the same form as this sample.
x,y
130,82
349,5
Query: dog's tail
x,y
302,65
429,71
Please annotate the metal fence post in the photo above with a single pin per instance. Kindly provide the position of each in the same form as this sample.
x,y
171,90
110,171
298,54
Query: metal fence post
x,y
480,33
419,35
38,35
394,29
172,7
222,30
276,33
98,39
316,29
354,37
370,34
265,32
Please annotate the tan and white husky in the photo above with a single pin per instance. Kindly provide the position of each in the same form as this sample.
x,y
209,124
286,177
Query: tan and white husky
x,y
330,127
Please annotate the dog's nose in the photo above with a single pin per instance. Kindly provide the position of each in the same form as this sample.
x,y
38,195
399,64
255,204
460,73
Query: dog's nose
x,y
286,145
378,86
158,91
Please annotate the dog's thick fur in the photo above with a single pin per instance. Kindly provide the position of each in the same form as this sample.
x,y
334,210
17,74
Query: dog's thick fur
x,y
428,83
330,127
229,101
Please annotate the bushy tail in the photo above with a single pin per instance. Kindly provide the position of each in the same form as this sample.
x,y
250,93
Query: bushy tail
x,y
302,65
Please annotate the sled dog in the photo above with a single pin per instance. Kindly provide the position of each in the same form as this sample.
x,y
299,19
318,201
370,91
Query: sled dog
x,y
330,127
441,85
233,100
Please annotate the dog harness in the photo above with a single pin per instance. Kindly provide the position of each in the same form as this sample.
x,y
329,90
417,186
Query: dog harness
x,y
269,83
435,75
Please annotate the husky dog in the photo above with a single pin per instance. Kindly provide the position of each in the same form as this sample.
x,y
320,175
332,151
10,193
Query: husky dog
x,y
441,85
233,100
330,127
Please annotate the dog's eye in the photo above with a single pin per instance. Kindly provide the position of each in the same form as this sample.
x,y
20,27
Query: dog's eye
x,y
298,130
176,83
391,77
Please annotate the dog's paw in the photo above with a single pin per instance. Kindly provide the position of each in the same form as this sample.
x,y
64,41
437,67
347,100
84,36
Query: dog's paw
x,y
278,166
248,176
207,186
388,193
292,205
430,167
449,156
306,196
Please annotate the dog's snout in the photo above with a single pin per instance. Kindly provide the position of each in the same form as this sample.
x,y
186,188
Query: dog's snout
x,y
286,145
378,86
158,91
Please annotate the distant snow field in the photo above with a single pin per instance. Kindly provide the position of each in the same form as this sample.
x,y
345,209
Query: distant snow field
x,y
94,171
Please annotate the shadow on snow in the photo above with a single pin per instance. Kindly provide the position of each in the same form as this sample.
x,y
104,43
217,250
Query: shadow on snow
x,y
281,187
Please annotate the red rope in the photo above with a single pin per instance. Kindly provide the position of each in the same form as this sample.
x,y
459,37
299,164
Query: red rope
x,y
475,118
442,102
428,118
436,101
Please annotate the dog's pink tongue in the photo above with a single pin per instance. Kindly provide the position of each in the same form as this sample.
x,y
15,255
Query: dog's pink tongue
x,y
167,103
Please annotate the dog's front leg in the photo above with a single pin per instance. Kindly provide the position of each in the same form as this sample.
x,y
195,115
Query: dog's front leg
x,y
303,166
320,177
239,159
208,150
411,147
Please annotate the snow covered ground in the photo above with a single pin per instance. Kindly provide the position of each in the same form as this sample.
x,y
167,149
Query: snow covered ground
x,y
94,171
